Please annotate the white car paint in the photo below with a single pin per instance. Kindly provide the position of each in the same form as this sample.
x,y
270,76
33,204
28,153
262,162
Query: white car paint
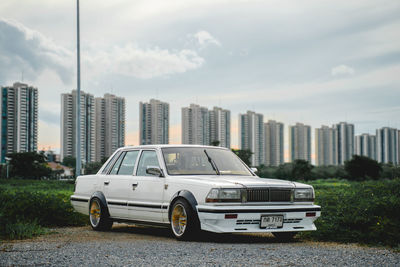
x,y
147,198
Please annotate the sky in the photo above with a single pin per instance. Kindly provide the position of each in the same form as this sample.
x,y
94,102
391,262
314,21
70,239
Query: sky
x,y
316,62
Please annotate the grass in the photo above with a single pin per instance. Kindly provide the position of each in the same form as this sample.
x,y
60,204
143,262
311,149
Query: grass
x,y
27,207
23,230
363,212
65,187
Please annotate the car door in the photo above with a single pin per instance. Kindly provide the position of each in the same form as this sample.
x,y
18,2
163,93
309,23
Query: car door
x,y
117,185
147,197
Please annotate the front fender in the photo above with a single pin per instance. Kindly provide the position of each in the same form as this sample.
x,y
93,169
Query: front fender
x,y
188,196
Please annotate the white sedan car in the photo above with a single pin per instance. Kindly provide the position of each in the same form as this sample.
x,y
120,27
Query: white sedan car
x,y
192,188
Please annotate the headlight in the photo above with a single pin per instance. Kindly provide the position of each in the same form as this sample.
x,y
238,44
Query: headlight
x,y
223,195
304,194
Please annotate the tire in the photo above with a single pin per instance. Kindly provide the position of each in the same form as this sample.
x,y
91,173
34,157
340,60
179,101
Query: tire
x,y
98,216
284,236
184,221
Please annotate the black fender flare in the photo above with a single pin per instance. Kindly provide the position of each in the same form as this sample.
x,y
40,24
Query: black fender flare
x,y
103,201
188,196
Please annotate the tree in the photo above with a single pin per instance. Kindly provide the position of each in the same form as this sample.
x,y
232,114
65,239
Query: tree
x,y
362,168
29,165
243,154
92,167
103,160
390,171
69,161
329,171
267,171
301,170
215,143
284,171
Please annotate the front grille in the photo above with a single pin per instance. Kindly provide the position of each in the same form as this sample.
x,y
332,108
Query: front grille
x,y
268,195
257,195
280,195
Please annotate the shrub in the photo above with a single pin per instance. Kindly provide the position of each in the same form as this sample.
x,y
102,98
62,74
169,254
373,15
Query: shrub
x,y
362,168
244,155
23,230
93,167
25,209
29,165
363,212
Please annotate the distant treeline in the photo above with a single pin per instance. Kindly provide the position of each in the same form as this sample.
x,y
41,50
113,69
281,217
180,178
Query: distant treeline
x,y
32,165
359,168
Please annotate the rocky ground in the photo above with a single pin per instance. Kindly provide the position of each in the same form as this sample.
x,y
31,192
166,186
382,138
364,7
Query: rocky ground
x,y
141,246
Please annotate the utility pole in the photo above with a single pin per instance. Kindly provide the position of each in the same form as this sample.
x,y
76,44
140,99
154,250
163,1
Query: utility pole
x,y
78,97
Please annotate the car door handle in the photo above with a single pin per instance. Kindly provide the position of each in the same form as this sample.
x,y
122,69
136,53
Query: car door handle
x,y
106,182
134,185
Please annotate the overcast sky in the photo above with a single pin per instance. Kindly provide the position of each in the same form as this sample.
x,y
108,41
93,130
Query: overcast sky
x,y
316,62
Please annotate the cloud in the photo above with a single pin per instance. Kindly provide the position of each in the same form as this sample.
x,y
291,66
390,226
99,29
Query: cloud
x,y
204,39
342,70
28,51
131,60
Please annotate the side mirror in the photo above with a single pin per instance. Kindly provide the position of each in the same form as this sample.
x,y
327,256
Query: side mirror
x,y
154,170
253,169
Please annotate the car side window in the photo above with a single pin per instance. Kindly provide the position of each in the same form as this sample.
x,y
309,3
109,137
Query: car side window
x,y
115,168
148,158
110,163
128,163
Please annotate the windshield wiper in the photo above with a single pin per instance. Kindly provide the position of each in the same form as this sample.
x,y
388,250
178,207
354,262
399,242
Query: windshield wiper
x,y
212,163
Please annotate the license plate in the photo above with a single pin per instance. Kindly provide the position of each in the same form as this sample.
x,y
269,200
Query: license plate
x,y
271,221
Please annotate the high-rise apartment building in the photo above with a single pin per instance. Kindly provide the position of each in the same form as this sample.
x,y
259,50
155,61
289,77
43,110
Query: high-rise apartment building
x,y
195,125
109,125
345,141
387,145
19,119
251,135
220,126
273,143
300,142
154,122
365,145
68,126
326,146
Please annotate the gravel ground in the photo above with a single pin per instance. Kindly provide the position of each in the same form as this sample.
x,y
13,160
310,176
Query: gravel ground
x,y
140,246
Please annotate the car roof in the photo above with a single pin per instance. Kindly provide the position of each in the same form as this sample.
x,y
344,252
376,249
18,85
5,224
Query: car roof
x,y
168,145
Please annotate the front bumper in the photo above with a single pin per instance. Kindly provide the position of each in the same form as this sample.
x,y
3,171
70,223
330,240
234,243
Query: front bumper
x,y
295,218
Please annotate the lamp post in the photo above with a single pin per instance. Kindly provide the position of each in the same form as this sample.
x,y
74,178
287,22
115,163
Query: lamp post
x,y
7,165
78,97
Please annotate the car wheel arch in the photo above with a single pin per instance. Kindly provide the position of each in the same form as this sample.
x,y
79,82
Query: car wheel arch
x,y
102,198
187,196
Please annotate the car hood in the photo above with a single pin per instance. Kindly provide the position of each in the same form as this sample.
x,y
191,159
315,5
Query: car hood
x,y
241,181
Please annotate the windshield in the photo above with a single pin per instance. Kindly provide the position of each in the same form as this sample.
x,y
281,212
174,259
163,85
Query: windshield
x,y
202,161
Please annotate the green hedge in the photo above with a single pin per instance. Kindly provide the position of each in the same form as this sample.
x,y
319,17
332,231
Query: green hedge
x,y
26,207
364,212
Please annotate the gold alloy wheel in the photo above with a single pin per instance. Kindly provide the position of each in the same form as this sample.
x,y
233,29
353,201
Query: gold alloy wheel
x,y
179,220
95,213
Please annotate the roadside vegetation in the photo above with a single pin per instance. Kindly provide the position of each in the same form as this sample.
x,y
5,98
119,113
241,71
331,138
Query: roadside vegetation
x,y
28,207
362,212
361,205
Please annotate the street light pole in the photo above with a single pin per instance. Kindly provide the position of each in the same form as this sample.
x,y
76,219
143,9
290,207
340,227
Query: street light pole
x,y
78,97
7,165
